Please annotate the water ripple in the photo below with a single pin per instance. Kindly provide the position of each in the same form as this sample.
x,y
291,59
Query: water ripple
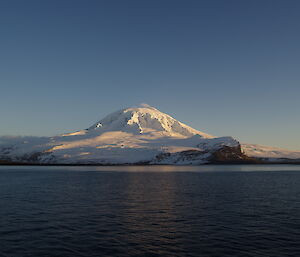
x,y
65,212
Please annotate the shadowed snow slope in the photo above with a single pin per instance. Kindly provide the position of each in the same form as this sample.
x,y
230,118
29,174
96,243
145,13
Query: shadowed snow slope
x,y
128,136
261,151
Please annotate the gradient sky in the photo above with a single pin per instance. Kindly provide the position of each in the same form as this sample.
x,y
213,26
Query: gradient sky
x,y
223,67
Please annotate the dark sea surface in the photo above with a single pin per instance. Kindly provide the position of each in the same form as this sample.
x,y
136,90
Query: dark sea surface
x,y
241,210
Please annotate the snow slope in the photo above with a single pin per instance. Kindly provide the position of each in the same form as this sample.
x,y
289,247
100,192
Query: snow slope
x,y
261,151
143,120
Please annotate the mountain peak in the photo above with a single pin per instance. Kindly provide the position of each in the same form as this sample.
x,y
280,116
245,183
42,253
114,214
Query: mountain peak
x,y
145,119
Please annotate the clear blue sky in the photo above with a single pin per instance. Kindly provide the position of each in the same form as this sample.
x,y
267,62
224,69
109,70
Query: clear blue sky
x,y
224,67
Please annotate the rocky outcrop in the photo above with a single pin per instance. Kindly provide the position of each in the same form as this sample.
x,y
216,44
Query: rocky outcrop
x,y
185,157
231,155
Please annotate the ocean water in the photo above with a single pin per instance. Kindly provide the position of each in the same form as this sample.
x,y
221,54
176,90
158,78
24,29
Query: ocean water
x,y
241,210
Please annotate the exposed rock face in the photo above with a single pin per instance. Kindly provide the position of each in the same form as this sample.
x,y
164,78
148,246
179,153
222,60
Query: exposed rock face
x,y
193,157
232,155
223,155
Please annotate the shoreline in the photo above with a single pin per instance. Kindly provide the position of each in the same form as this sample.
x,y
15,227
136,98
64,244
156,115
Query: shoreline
x,y
145,164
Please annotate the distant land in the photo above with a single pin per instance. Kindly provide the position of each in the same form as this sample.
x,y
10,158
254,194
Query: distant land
x,y
138,135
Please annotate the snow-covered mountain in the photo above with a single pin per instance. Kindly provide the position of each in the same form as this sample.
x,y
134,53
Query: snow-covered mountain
x,y
141,135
